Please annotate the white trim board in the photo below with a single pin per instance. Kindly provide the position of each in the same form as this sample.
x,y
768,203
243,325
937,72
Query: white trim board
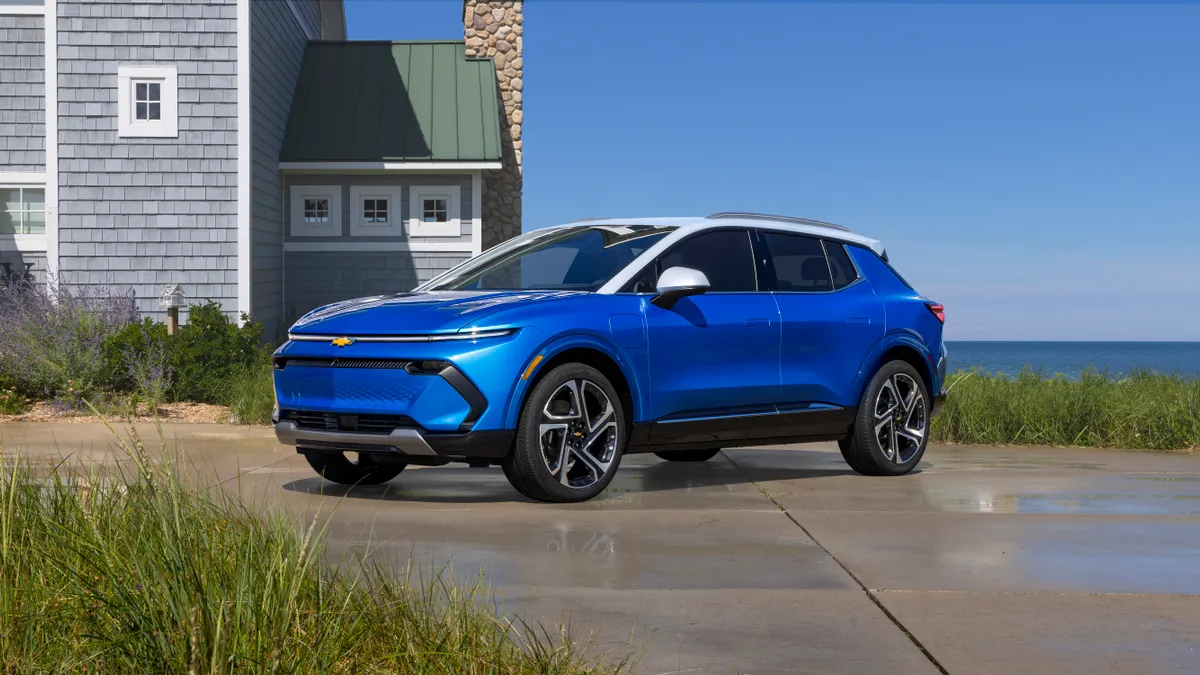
x,y
26,243
244,167
51,176
388,167
477,213
376,246
22,178
24,10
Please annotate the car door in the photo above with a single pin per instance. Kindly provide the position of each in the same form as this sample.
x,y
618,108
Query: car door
x,y
715,354
830,320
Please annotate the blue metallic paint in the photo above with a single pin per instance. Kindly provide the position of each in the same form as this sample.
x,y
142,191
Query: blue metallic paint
x,y
708,354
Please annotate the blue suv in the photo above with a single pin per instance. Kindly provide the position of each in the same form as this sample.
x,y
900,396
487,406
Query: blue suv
x,y
560,351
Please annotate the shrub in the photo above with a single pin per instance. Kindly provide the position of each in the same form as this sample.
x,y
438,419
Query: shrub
x,y
52,337
135,341
211,349
12,402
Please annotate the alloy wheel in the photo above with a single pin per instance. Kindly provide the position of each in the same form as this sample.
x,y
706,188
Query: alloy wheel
x,y
578,433
900,418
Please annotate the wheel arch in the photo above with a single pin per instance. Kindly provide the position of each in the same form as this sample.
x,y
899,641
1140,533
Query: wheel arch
x,y
588,351
899,347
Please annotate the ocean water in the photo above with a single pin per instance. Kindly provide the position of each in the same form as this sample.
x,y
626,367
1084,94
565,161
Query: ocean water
x,y
1071,358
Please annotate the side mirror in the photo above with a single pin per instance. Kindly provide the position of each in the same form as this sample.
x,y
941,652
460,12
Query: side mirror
x,y
678,282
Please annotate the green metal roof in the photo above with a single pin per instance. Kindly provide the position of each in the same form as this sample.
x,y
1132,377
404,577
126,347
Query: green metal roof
x,y
393,101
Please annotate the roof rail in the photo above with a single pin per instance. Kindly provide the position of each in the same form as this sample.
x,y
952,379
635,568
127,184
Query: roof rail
x,y
768,216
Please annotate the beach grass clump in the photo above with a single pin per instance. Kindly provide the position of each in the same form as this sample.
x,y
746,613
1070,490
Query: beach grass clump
x,y
1142,411
142,571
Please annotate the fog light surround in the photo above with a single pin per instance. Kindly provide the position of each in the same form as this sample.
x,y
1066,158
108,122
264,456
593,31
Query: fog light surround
x,y
426,367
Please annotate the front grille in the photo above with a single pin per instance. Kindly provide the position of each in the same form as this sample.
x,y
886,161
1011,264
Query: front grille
x,y
369,423
340,363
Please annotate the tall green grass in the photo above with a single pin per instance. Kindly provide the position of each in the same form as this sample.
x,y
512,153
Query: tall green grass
x,y
144,572
1142,411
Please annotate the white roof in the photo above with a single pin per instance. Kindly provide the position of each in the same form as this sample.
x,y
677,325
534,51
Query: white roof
x,y
692,224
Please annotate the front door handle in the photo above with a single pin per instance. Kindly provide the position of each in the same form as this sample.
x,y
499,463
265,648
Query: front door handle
x,y
758,322
859,320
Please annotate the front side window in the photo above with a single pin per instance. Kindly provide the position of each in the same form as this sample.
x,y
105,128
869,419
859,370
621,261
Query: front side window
x,y
375,211
581,259
316,209
147,101
23,210
435,210
724,256
799,261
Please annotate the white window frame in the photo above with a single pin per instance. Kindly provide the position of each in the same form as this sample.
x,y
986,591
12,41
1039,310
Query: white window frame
x,y
167,126
299,228
26,242
453,225
394,226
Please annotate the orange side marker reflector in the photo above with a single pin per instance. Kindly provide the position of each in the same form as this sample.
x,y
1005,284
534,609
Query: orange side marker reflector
x,y
532,364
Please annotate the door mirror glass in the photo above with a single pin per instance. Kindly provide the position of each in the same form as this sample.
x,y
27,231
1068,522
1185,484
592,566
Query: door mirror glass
x,y
678,282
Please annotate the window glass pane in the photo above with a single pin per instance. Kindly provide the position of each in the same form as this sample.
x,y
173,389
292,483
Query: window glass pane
x,y
155,111
140,112
155,91
799,262
435,210
35,222
577,259
844,273
724,257
141,91
316,210
35,199
10,198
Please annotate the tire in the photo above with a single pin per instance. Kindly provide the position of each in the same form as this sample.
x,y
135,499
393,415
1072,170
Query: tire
x,y
688,455
552,459
872,448
367,470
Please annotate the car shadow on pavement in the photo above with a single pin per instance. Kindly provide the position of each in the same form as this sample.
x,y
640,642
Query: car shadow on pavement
x,y
638,474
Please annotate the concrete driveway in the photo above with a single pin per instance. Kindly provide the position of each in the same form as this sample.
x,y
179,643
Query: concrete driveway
x,y
987,560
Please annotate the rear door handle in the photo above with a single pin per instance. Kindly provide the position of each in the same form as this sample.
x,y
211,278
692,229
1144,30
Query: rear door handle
x,y
758,322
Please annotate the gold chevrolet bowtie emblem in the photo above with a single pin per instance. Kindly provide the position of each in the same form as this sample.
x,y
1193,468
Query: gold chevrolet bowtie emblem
x,y
343,342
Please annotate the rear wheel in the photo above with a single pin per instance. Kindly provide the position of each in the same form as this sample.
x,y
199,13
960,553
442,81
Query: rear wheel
x,y
891,429
688,455
570,437
360,468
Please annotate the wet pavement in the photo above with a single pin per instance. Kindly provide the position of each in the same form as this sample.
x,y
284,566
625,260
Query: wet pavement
x,y
991,560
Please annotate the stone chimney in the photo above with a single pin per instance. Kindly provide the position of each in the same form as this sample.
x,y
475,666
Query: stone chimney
x,y
493,30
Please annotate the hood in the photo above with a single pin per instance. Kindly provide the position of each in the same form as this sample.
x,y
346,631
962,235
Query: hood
x,y
414,313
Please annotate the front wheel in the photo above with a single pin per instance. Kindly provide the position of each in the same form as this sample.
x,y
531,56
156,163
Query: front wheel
x,y
891,429
570,436
363,469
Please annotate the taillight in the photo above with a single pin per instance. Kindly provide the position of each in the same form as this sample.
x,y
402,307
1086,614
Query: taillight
x,y
938,311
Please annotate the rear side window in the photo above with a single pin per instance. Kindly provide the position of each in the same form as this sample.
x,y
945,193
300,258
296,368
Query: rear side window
x,y
725,257
843,270
799,263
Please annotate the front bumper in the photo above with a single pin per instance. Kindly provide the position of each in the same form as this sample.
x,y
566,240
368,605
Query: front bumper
x,y
414,445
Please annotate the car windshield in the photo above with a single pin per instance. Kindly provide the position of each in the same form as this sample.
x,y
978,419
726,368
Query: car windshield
x,y
578,259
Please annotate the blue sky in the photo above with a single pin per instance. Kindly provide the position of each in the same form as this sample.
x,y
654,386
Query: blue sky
x,y
1034,166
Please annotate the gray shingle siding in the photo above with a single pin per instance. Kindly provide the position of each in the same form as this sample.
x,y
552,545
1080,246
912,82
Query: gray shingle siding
x,y
346,182
277,48
22,93
17,264
320,277
146,212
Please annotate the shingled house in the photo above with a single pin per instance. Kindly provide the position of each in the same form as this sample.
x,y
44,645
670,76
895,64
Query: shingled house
x,y
247,151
